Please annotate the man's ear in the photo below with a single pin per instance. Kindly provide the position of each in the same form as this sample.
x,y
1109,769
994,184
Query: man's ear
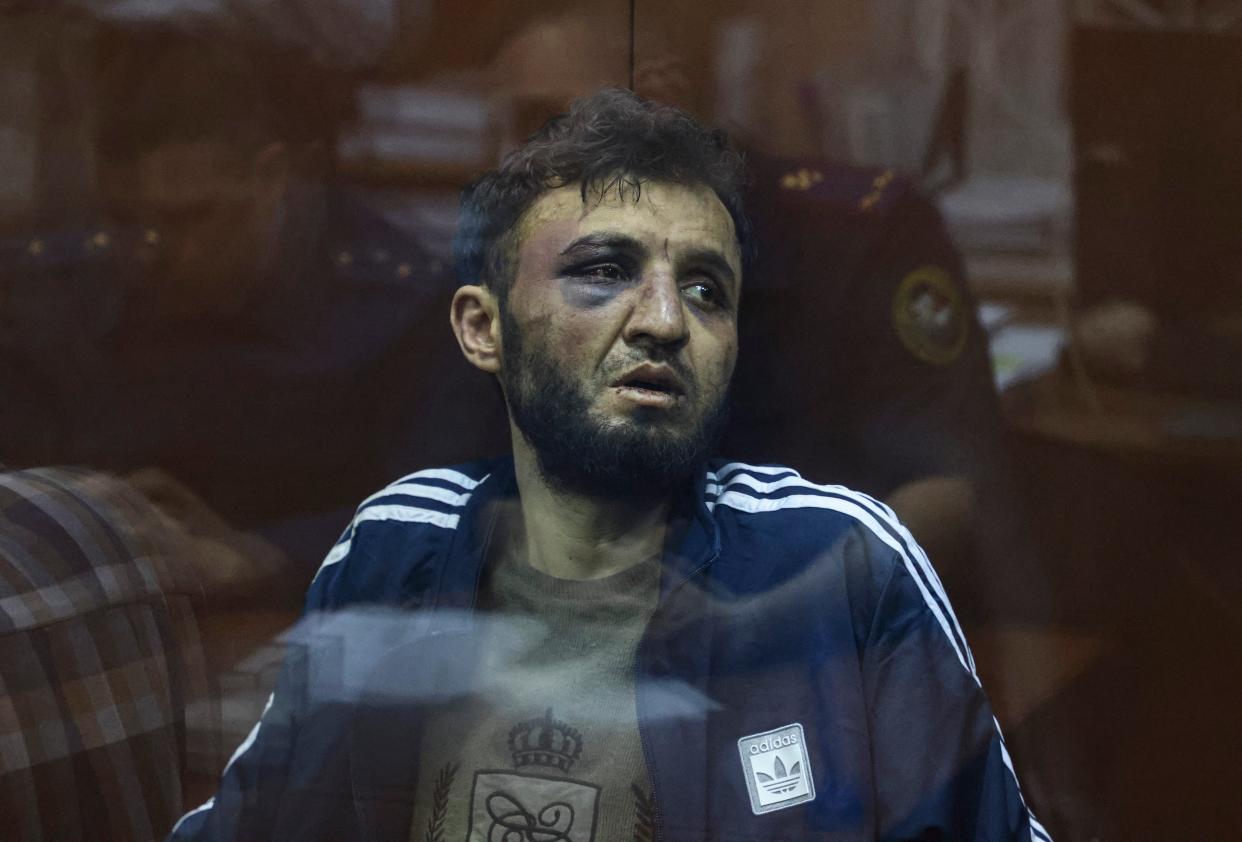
x,y
475,316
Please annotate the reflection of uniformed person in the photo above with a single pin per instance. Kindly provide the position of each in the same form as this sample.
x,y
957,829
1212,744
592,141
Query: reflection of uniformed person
x,y
893,393
865,363
224,404
238,322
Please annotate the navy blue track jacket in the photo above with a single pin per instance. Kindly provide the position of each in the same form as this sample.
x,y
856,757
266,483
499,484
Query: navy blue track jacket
x,y
782,604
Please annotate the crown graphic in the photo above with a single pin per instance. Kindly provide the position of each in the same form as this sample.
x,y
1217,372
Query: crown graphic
x,y
544,742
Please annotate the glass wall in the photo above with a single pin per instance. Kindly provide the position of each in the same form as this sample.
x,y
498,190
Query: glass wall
x,y
997,286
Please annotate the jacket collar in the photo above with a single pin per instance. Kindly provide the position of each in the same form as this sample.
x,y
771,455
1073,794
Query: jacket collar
x,y
693,544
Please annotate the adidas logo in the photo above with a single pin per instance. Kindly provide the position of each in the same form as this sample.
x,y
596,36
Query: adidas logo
x,y
770,743
777,769
780,781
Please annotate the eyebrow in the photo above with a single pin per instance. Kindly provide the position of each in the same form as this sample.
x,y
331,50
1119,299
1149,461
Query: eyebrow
x,y
616,241
714,260
603,241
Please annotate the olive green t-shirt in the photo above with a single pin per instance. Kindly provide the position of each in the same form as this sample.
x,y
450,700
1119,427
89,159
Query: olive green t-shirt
x,y
547,747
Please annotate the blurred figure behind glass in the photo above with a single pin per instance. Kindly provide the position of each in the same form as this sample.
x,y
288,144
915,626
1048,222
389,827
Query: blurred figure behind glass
x,y
235,317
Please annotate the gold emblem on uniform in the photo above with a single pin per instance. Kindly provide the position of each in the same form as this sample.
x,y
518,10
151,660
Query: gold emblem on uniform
x,y
878,185
803,179
929,315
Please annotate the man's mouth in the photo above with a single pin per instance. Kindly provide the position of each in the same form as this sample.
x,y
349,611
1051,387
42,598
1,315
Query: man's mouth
x,y
650,385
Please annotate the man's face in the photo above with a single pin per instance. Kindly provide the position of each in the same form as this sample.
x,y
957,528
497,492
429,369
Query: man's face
x,y
619,335
215,215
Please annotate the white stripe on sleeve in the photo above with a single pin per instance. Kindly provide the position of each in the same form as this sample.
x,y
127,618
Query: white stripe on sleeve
x,y
446,474
429,492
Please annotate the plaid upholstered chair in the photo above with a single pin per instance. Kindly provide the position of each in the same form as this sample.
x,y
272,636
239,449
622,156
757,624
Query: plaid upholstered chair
x,y
100,660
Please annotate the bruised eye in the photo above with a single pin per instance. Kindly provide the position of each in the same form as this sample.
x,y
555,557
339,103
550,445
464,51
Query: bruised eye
x,y
605,271
599,272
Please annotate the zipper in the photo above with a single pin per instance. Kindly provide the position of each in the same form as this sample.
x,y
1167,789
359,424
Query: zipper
x,y
656,816
657,819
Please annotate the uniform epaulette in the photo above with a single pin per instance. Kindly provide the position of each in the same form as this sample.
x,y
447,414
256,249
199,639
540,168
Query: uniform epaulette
x,y
366,249
364,263
90,245
846,188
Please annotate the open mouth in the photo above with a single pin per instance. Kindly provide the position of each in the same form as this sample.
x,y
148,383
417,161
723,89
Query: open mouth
x,y
651,385
652,378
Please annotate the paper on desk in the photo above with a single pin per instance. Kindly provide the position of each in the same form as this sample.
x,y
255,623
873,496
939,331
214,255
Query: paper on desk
x,y
1022,351
994,316
1006,213
1216,422
341,33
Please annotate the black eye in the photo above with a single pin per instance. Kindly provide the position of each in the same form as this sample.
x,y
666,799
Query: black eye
x,y
604,271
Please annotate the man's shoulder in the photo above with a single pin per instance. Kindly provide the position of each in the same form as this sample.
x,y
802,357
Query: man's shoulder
x,y
59,285
811,534
464,476
758,488
89,244
365,248
407,524
432,496
781,503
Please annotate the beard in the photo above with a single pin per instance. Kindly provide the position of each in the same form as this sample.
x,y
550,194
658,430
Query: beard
x,y
635,458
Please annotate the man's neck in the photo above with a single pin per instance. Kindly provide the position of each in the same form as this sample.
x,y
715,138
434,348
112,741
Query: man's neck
x,y
576,536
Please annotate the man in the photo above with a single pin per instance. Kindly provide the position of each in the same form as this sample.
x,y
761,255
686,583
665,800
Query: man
x,y
856,278
236,317
913,421
610,635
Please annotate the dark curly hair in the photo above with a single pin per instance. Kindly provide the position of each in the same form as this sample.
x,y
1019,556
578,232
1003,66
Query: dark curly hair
x,y
613,139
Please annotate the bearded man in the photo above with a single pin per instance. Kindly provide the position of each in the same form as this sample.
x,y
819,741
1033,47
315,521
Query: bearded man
x,y
609,635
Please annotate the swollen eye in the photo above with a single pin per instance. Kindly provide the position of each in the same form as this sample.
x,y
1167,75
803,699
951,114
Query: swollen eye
x,y
607,271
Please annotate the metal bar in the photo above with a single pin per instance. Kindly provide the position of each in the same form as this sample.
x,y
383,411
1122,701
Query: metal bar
x,y
1094,12
1186,13
632,17
1141,12
1222,19
1014,19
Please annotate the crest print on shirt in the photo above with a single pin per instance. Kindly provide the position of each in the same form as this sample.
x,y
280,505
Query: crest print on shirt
x,y
526,805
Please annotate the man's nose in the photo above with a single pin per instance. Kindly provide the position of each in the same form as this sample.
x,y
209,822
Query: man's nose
x,y
659,315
